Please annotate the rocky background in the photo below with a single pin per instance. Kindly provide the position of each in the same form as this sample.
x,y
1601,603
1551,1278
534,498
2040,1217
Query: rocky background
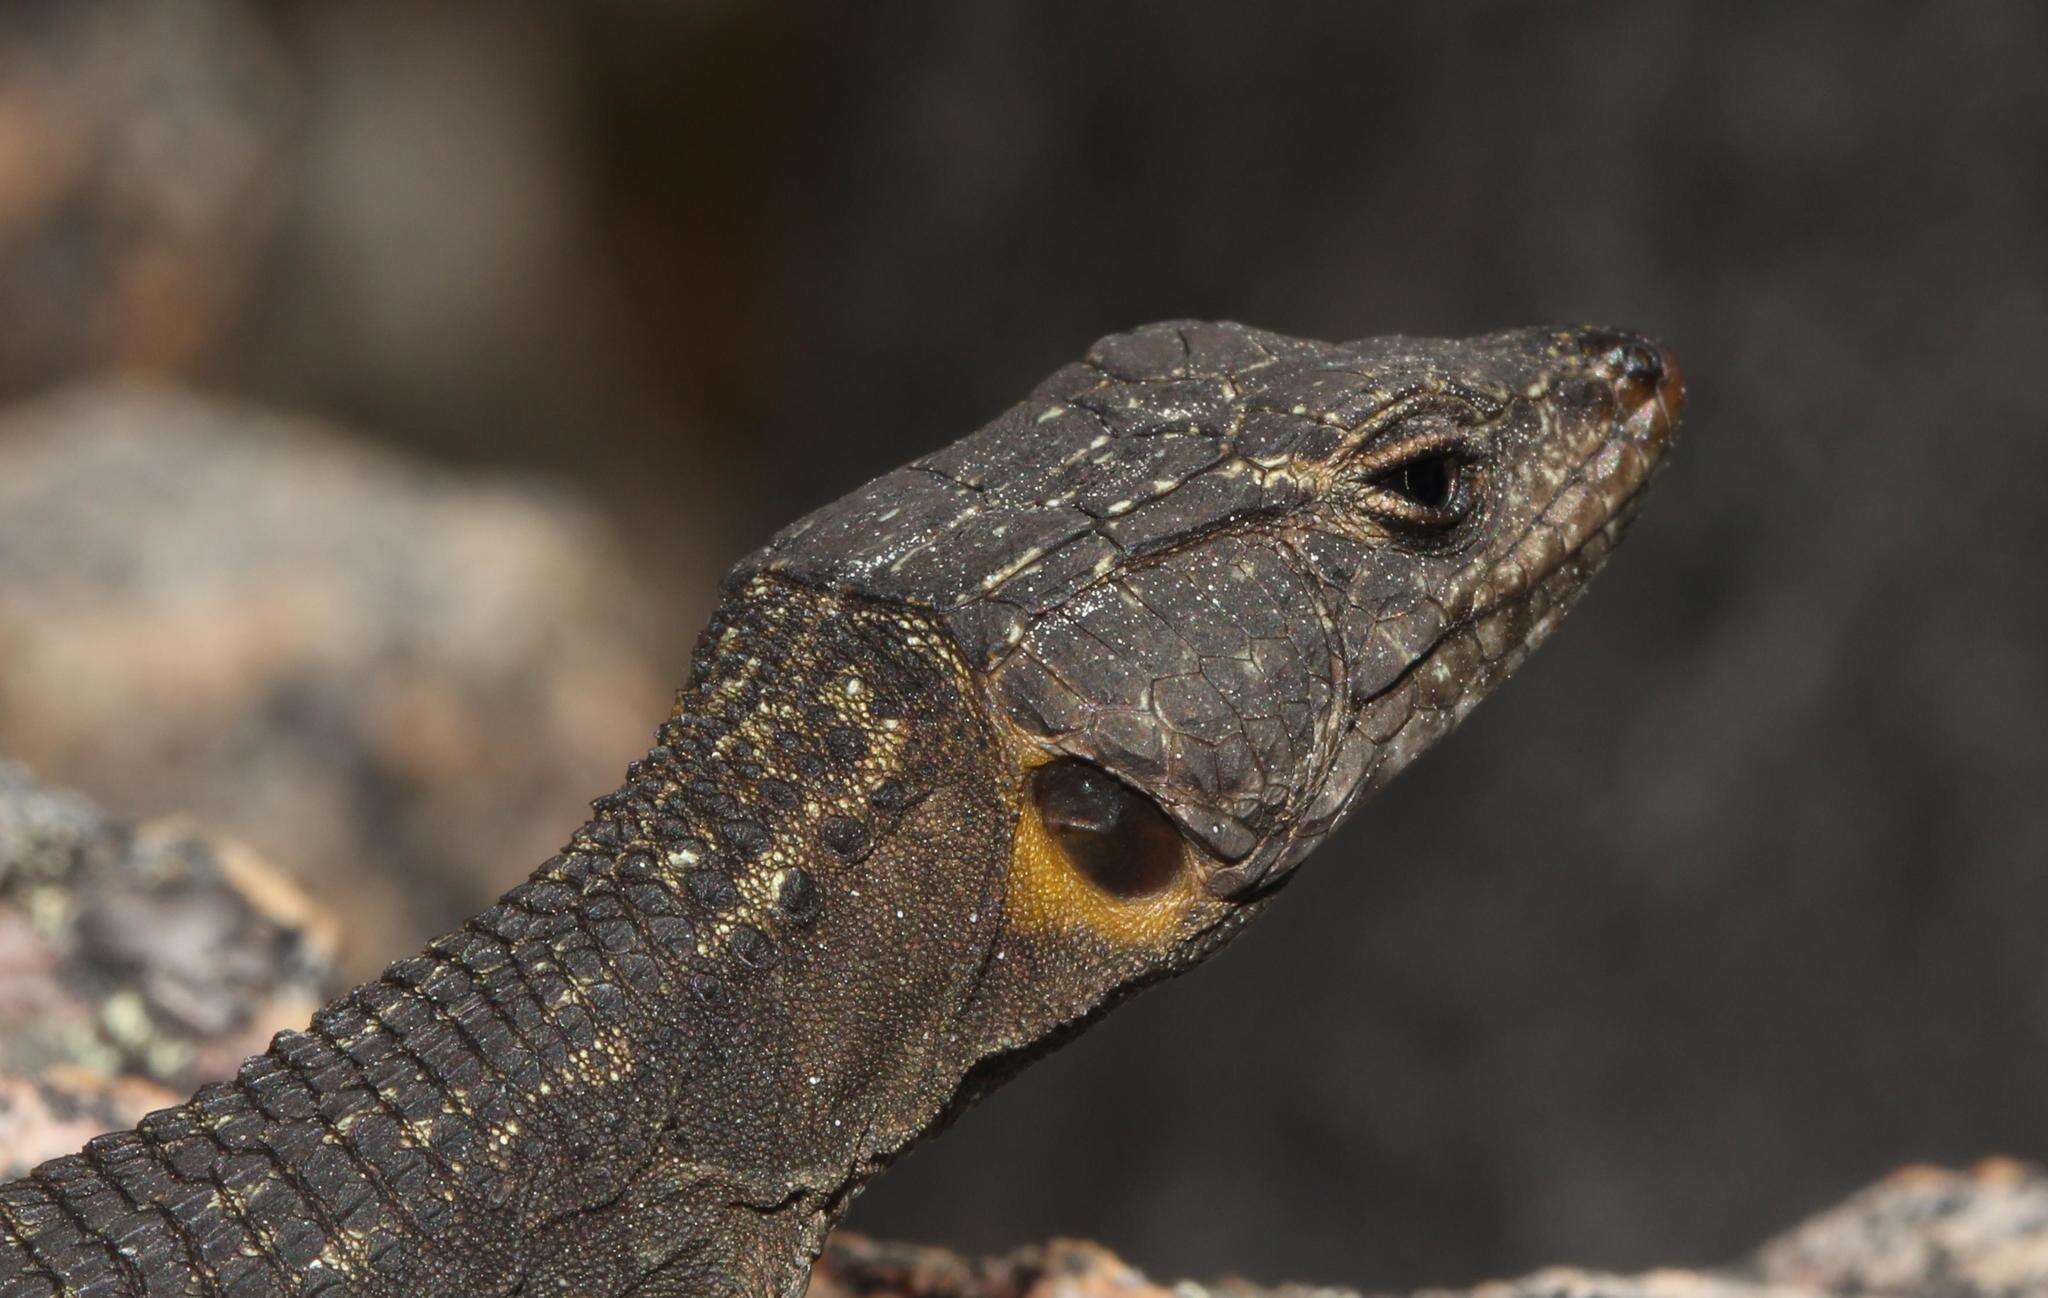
x,y
383,385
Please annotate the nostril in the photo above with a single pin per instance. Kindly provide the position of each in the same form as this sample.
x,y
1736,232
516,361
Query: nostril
x,y
1623,358
1639,372
1638,363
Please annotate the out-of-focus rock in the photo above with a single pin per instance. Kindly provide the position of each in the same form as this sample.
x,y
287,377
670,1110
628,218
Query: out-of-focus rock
x,y
54,1114
1572,1282
135,964
1921,1233
1926,1230
854,1266
141,145
402,682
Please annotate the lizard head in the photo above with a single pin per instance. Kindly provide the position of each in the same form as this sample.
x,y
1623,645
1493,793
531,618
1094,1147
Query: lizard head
x,y
1216,585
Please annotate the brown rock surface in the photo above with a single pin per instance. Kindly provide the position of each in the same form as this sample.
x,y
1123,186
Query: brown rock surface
x,y
401,682
1925,1232
1920,1233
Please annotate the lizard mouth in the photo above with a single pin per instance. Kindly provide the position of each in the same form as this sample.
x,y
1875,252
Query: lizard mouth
x,y
1513,611
1648,392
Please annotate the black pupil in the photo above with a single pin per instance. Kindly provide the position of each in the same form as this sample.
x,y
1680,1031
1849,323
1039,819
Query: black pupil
x,y
1114,835
1427,482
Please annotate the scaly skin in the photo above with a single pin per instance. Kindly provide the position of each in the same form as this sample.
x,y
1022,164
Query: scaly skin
x,y
965,758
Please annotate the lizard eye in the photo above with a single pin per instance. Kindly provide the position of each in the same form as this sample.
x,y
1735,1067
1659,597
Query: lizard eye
x,y
1116,837
1424,481
1428,482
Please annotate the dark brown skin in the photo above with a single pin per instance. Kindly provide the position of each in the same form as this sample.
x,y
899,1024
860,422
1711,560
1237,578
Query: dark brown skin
x,y
965,758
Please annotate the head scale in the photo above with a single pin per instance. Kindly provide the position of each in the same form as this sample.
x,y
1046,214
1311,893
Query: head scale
x,y
1252,576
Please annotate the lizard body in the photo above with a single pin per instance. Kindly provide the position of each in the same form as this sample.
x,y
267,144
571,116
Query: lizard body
x,y
965,757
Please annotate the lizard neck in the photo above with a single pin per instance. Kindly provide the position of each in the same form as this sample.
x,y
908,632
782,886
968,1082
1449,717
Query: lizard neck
x,y
661,1065
748,968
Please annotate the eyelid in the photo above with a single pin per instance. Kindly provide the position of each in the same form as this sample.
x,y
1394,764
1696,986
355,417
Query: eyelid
x,y
1388,505
1375,444
1442,439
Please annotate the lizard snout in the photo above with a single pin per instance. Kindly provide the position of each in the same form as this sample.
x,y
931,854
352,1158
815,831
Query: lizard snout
x,y
1649,388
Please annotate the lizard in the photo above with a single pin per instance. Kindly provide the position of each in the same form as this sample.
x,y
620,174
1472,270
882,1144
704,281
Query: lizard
x,y
964,758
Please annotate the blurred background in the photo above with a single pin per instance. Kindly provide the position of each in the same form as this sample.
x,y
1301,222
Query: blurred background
x,y
384,385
